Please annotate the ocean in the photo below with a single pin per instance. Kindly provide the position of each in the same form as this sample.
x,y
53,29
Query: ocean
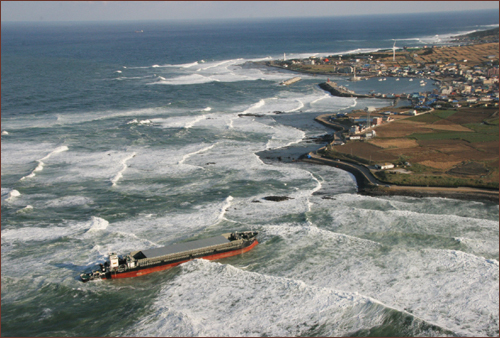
x,y
116,140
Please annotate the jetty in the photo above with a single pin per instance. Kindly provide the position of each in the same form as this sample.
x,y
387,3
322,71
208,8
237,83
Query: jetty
x,y
341,91
290,81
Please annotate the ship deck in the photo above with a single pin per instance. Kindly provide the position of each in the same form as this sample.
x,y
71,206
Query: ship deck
x,y
181,247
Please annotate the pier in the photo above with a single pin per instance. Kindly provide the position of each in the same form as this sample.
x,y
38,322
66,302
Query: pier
x,y
341,91
290,81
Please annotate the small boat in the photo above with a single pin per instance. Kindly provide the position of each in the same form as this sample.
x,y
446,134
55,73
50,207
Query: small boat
x,y
411,80
380,79
397,79
139,263
423,84
385,79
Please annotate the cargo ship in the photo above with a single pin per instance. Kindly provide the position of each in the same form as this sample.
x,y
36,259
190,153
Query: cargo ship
x,y
139,263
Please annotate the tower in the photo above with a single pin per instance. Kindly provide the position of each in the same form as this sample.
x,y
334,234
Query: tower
x,y
368,111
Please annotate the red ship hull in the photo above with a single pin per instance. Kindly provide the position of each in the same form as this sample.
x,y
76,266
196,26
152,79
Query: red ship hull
x,y
145,271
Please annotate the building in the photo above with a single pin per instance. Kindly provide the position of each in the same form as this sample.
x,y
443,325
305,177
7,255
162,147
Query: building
x,y
492,72
384,166
370,134
354,130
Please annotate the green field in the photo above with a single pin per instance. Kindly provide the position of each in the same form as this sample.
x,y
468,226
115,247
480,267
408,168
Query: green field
x,y
482,132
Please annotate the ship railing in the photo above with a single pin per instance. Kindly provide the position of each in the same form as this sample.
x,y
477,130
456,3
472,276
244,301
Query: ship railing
x,y
188,254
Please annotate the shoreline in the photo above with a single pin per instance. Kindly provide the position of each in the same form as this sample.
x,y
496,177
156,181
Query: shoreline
x,y
367,183
368,188
371,186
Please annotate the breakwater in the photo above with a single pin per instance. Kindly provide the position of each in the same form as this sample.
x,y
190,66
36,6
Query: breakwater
x,y
290,81
337,90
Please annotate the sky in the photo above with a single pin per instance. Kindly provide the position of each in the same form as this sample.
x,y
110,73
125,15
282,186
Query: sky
x,y
47,11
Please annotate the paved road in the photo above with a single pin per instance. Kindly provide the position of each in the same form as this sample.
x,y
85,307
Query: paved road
x,y
362,174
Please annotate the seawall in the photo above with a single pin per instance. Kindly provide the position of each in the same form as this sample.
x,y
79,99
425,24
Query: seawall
x,y
337,91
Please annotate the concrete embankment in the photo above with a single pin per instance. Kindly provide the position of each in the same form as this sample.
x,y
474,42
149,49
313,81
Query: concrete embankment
x,y
338,91
364,179
290,81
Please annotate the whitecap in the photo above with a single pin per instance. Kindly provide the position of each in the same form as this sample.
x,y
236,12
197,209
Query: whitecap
x,y
12,194
27,208
97,224
40,164
119,175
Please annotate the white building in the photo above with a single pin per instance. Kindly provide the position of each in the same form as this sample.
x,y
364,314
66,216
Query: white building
x,y
384,166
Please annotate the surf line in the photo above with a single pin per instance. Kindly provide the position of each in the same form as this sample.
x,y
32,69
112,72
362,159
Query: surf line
x,y
119,175
40,165
185,157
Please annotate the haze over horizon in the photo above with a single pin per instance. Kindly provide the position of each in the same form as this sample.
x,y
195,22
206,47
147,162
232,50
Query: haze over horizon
x,y
48,11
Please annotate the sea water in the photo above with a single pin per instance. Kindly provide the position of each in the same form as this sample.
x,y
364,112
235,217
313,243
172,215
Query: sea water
x,y
114,141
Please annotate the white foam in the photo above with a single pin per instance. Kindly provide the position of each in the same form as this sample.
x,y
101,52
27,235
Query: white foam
x,y
187,80
34,234
220,71
284,136
5,132
141,122
224,208
206,109
255,107
300,106
217,64
27,208
185,157
40,165
193,122
188,65
97,224
320,98
450,288
119,175
212,299
68,201
12,194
